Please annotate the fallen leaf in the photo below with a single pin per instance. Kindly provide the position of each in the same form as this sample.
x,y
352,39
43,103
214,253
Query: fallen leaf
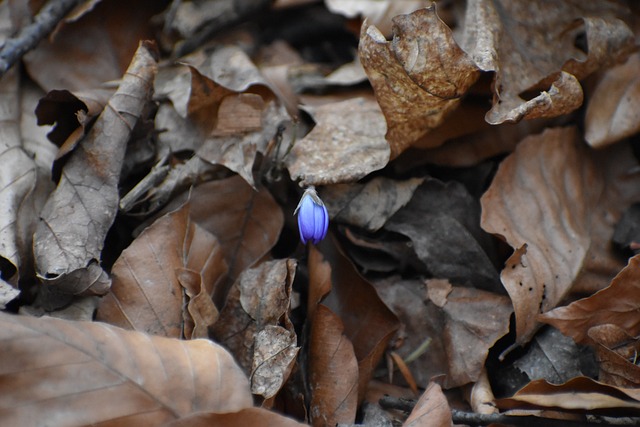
x,y
346,144
617,354
93,48
368,205
83,373
418,78
580,394
604,307
171,266
78,214
432,409
539,202
368,323
246,222
612,110
378,13
442,221
452,340
248,417
333,371
535,47
254,325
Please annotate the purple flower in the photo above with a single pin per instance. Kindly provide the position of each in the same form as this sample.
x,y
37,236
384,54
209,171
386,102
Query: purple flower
x,y
313,218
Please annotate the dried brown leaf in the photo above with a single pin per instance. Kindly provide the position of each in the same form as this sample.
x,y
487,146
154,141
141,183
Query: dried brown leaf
x,y
94,48
82,373
346,144
613,112
368,323
248,417
246,222
617,354
78,214
539,202
171,263
529,45
254,325
368,205
418,78
431,410
333,371
605,307
580,394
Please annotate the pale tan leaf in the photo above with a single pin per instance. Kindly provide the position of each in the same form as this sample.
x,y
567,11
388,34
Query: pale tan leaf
x,y
60,372
346,144
418,78
613,112
248,417
171,263
78,214
273,359
432,410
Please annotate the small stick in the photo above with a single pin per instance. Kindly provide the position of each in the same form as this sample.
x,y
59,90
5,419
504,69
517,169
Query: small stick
x,y
29,37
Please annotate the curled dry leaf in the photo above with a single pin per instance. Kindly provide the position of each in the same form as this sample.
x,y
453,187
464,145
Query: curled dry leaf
x,y
84,373
346,144
171,263
78,214
333,371
432,409
368,205
539,202
604,307
580,394
254,325
529,45
613,111
418,78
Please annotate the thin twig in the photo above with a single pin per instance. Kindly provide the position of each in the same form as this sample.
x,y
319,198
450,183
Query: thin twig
x,y
475,419
29,37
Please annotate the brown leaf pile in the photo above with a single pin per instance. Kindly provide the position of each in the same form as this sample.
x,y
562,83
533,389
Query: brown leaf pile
x,y
478,161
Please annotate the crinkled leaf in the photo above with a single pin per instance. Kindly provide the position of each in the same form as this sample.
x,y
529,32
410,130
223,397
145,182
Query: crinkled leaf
x,y
418,78
529,45
171,263
82,373
346,144
78,214
617,354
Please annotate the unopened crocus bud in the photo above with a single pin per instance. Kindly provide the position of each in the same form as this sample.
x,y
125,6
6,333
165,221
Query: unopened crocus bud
x,y
313,218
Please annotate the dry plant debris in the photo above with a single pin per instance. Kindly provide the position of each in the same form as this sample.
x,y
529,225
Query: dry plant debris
x,y
478,161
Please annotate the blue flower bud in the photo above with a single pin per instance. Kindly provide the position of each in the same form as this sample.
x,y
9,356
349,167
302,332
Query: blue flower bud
x,y
313,218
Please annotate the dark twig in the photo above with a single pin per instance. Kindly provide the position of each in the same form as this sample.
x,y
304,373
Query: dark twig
x,y
474,419
29,36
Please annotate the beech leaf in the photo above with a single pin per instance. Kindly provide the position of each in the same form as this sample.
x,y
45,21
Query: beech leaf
x,y
346,144
83,373
419,77
75,220
172,262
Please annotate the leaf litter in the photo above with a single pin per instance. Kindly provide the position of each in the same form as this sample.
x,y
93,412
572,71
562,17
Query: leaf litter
x,y
480,253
